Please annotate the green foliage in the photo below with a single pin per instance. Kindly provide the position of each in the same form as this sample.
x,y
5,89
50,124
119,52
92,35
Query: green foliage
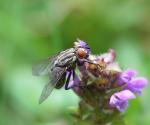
x,y
31,30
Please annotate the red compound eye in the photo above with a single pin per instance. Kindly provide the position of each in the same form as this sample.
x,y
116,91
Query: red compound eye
x,y
81,52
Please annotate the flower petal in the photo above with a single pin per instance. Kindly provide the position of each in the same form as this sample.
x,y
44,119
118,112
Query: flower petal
x,y
125,95
127,75
137,84
120,99
122,107
108,57
113,67
74,83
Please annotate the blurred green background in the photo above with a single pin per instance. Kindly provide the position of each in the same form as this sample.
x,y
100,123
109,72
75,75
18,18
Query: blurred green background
x,y
32,30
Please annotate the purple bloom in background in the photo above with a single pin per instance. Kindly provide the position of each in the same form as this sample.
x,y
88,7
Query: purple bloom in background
x,y
120,99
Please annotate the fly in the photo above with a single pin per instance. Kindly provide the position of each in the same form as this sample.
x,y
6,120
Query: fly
x,y
61,67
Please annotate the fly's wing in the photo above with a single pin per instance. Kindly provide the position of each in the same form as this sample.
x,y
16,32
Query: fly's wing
x,y
44,67
55,76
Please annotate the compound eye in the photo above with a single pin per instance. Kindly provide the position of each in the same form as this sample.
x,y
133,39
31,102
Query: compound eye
x,y
81,52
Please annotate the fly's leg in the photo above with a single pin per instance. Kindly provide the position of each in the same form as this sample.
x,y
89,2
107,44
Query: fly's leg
x,y
67,81
76,80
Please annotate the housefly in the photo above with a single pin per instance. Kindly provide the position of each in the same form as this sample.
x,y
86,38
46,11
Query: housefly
x,y
61,67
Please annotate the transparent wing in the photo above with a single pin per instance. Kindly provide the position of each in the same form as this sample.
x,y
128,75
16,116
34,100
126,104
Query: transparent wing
x,y
41,68
46,91
44,67
55,76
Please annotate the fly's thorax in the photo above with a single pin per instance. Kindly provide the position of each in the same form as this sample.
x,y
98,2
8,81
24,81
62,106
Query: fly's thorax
x,y
71,50
66,58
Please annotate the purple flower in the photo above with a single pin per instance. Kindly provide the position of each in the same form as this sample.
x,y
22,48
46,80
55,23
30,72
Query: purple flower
x,y
136,85
120,99
127,75
82,44
131,82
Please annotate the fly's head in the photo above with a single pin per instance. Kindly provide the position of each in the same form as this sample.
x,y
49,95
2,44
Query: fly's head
x,y
82,49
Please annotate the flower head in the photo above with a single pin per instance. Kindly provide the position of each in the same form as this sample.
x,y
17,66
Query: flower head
x,y
106,84
102,84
